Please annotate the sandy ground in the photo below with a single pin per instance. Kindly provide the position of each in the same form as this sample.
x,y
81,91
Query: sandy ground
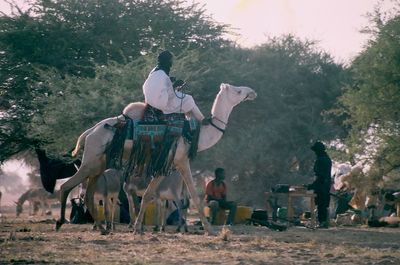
x,y
33,240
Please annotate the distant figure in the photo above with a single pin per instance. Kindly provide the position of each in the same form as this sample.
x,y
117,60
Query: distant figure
x,y
341,193
0,199
216,197
322,183
37,198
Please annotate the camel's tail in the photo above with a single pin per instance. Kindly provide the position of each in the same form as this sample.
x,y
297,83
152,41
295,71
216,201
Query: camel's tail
x,y
80,141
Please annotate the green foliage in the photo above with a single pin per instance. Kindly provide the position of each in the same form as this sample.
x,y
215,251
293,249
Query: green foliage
x,y
74,104
371,101
74,37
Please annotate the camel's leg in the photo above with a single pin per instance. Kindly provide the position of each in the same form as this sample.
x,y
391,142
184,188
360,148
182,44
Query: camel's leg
x,y
93,163
184,168
80,176
147,197
90,191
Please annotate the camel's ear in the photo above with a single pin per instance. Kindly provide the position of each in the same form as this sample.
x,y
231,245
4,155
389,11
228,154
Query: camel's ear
x,y
224,86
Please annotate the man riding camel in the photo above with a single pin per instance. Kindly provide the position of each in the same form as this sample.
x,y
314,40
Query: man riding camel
x,y
159,91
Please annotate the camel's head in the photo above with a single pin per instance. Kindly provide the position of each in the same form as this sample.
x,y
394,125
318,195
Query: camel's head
x,y
237,94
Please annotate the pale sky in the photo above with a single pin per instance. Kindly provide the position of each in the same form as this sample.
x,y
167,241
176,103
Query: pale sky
x,y
334,23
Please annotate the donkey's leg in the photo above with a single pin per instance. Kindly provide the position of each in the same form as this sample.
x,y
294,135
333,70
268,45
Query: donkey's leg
x,y
147,197
179,206
113,208
107,211
109,208
93,207
131,193
185,202
44,207
184,169
133,202
132,209
30,209
163,213
157,202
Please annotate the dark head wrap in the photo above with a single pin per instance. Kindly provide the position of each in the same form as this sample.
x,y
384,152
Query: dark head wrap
x,y
318,147
165,61
219,171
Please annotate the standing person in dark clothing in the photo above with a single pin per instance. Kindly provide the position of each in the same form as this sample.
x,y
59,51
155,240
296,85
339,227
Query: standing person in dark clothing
x,y
322,183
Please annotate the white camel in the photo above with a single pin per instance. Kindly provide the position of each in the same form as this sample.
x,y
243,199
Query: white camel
x,y
98,138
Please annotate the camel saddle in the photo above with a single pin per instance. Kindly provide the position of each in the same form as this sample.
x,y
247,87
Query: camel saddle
x,y
155,126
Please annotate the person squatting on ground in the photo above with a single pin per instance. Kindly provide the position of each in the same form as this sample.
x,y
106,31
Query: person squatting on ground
x,y
322,183
159,91
216,197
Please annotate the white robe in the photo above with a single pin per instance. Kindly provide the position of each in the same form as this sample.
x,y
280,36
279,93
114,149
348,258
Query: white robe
x,y
159,93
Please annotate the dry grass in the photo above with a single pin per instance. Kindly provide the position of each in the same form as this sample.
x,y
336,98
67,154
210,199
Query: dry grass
x,y
34,241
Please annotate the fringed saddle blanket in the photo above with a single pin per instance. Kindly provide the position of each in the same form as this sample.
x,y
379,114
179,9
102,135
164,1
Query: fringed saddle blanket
x,y
155,139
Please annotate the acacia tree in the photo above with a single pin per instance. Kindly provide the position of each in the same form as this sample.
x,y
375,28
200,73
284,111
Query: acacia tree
x,y
74,36
371,101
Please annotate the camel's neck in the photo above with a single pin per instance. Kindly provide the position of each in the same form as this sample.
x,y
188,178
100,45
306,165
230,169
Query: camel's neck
x,y
209,135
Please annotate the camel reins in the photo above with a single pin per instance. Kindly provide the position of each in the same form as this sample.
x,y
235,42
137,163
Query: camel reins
x,y
215,126
221,121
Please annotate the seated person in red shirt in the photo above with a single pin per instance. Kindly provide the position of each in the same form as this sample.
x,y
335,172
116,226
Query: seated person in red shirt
x,y
216,197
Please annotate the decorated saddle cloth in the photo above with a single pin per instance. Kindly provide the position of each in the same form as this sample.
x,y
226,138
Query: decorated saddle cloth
x,y
155,138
